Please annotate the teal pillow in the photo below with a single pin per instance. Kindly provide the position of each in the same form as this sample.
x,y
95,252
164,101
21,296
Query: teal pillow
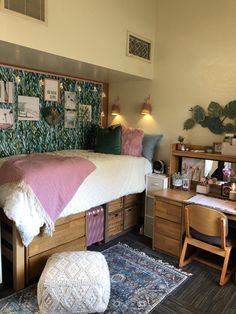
x,y
150,142
108,140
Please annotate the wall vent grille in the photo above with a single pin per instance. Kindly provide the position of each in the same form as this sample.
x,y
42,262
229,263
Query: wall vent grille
x,y
31,8
139,47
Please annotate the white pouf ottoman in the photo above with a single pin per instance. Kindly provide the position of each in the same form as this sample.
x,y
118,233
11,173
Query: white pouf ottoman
x,y
74,282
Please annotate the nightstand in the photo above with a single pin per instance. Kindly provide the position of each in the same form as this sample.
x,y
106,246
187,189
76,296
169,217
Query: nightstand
x,y
154,183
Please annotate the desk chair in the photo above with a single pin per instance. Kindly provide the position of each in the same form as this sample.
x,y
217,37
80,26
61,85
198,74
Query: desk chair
x,y
207,229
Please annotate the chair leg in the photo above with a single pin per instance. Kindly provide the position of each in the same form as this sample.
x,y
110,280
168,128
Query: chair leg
x,y
224,277
182,260
182,255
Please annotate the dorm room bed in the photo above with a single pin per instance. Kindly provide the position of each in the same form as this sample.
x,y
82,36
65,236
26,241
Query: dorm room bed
x,y
24,243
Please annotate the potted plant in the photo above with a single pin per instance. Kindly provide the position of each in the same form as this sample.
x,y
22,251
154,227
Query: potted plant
x,y
180,145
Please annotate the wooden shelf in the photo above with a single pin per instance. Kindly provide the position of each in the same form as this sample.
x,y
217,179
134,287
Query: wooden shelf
x,y
203,155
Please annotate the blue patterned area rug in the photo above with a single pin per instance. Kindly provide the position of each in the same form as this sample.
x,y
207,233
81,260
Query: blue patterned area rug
x,y
138,284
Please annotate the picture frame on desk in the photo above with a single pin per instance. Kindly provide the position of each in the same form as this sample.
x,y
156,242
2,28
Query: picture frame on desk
x,y
225,189
217,147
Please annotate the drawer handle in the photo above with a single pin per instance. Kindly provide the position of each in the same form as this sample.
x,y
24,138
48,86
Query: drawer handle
x,y
156,184
116,215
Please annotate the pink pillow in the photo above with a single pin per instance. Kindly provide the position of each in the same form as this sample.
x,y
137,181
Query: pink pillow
x,y
132,141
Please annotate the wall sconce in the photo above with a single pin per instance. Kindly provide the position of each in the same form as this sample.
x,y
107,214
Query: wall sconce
x,y
115,109
146,106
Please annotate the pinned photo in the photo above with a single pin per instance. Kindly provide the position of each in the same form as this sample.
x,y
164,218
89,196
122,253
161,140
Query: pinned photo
x,y
70,100
6,92
28,108
6,119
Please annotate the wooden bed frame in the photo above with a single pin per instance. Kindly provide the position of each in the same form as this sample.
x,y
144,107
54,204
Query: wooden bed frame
x,y
27,263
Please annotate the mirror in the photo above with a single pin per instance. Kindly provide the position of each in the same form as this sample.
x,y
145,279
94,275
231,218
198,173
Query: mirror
x,y
194,169
222,170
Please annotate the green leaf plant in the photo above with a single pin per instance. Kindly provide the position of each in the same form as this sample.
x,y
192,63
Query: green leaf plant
x,y
214,118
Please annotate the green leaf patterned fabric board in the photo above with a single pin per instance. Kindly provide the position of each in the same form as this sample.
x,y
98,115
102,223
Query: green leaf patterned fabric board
x,y
38,136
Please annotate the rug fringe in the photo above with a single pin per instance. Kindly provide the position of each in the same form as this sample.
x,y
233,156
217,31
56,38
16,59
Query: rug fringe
x,y
154,259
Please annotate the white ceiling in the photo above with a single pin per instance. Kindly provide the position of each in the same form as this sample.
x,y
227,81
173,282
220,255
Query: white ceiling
x,y
24,57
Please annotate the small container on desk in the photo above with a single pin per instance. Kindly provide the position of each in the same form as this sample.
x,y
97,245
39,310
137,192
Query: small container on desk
x,y
232,192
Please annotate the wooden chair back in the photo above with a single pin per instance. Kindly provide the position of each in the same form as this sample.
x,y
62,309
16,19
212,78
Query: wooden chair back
x,y
207,221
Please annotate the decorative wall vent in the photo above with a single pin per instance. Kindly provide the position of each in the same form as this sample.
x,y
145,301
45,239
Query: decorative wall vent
x,y
31,8
138,47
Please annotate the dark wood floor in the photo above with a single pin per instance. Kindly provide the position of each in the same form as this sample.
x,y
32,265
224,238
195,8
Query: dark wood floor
x,y
200,294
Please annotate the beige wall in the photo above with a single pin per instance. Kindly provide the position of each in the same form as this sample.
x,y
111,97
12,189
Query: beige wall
x,y
195,64
92,31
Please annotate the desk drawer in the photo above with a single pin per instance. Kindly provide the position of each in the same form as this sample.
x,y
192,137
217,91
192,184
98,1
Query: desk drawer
x,y
168,211
167,228
166,244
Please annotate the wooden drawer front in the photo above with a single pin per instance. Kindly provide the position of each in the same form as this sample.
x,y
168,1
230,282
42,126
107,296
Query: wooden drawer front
x,y
167,228
115,223
131,199
115,205
166,244
36,263
168,211
70,218
63,233
131,217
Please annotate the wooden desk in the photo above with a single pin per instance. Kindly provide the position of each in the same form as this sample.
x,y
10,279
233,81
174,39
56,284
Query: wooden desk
x,y
169,220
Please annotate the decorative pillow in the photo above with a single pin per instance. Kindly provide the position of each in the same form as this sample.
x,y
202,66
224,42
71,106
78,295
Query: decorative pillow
x,y
132,141
150,142
108,140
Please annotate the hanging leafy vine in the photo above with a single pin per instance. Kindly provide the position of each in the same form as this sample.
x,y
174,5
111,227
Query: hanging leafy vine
x,y
214,118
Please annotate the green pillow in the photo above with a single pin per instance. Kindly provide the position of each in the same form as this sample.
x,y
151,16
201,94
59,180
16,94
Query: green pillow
x,y
108,140
150,142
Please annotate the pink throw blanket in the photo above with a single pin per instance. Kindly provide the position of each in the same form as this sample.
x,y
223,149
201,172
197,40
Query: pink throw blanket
x,y
53,179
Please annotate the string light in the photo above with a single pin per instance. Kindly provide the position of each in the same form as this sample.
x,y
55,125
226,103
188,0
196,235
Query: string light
x,y
18,79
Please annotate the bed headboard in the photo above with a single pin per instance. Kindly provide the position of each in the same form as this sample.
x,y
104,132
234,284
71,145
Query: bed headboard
x,y
28,136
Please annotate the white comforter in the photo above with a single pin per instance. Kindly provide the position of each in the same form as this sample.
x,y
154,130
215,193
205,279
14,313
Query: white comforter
x,y
114,176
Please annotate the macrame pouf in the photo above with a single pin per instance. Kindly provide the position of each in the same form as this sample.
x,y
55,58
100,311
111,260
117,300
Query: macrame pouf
x,y
74,282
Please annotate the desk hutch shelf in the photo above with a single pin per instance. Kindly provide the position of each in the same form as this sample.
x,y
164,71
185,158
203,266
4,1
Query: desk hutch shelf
x,y
195,151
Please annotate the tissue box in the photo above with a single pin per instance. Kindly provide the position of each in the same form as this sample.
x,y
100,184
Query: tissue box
x,y
203,189
228,149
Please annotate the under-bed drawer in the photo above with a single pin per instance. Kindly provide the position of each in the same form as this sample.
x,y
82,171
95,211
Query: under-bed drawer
x,y
115,205
131,217
65,231
115,223
36,263
131,199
